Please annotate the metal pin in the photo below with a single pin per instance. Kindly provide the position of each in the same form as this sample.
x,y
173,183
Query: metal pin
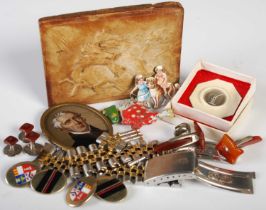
x,y
132,143
130,136
88,170
113,162
133,177
82,151
57,158
101,166
136,161
120,147
93,147
60,158
128,133
71,154
126,174
136,138
139,177
74,172
58,155
125,159
103,137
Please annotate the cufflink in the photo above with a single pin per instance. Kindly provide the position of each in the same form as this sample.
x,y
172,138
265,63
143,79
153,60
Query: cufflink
x,y
24,130
12,147
32,148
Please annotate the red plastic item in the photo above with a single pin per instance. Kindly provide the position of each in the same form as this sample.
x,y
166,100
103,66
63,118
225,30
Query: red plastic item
x,y
26,127
32,136
137,115
228,148
11,140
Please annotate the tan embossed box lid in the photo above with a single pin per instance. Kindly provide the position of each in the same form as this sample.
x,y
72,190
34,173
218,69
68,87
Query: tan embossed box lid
x,y
93,56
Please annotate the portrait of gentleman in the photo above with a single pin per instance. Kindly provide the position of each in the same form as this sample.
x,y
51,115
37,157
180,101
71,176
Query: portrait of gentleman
x,y
77,128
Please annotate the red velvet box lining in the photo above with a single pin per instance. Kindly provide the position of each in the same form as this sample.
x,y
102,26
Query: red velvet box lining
x,y
204,76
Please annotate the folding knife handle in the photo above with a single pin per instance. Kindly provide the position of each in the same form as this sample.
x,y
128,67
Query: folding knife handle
x,y
172,144
249,140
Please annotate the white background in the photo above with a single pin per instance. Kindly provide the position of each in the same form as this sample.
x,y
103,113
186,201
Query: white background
x,y
229,33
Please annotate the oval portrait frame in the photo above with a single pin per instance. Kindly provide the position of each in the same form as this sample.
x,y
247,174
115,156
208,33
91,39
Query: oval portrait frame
x,y
62,139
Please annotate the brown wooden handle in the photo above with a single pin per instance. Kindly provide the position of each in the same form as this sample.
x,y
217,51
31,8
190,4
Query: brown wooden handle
x,y
172,144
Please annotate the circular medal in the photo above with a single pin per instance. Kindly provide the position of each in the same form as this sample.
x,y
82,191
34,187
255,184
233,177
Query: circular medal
x,y
80,191
48,181
110,189
72,125
21,174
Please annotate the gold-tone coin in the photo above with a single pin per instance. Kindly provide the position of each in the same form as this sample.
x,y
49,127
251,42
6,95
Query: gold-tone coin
x,y
80,191
48,181
110,189
20,174
70,125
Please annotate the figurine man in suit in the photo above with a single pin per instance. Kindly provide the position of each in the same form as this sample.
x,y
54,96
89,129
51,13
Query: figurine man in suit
x,y
80,131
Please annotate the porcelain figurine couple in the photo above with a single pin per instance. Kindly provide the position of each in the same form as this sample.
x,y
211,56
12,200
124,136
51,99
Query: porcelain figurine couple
x,y
154,92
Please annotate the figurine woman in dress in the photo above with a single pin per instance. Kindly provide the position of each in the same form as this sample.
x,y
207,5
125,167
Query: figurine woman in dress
x,y
143,90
